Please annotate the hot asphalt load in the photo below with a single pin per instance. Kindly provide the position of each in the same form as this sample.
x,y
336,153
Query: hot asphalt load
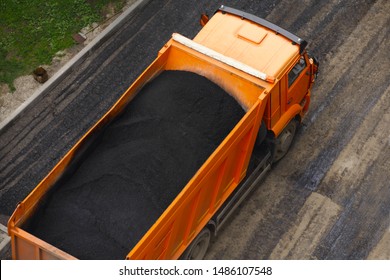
x,y
312,188
139,165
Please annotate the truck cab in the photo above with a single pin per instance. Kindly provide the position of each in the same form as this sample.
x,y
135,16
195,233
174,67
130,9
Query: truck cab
x,y
288,70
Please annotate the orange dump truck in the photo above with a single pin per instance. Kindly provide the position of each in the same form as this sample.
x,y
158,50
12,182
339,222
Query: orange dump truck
x,y
267,70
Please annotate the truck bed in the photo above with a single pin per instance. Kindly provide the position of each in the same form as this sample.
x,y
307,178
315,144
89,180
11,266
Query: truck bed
x,y
98,213
142,161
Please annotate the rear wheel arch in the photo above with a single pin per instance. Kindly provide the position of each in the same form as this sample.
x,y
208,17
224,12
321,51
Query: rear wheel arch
x,y
198,247
282,143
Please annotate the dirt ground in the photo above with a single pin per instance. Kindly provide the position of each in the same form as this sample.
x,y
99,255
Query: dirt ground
x,y
25,86
329,198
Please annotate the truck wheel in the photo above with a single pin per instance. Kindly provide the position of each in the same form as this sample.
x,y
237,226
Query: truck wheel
x,y
285,139
198,247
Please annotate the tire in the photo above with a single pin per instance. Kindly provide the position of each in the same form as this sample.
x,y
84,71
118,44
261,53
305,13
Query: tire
x,y
198,247
284,141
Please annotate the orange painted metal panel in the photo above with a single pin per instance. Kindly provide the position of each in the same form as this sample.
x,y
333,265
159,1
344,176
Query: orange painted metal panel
x,y
275,105
253,44
27,247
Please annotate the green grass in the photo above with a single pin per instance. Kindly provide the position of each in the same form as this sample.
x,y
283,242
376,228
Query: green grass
x,y
32,31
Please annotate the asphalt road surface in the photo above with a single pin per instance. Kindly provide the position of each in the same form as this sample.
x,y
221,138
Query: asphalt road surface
x,y
329,198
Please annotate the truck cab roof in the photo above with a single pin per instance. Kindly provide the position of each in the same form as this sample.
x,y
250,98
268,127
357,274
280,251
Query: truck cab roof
x,y
251,40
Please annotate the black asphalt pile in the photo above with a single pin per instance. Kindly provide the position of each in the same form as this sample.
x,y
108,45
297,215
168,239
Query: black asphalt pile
x,y
143,161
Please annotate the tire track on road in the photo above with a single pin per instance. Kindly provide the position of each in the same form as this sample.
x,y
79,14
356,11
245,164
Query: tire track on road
x,y
313,221
369,141
348,103
381,251
365,218
358,181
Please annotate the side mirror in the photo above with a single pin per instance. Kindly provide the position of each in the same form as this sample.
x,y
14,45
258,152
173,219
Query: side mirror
x,y
204,19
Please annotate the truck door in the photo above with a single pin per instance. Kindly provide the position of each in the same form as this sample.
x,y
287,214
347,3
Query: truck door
x,y
298,82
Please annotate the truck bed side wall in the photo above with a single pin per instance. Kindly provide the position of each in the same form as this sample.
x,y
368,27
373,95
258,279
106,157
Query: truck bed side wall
x,y
203,195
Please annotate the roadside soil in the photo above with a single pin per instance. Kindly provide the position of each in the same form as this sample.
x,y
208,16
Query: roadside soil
x,y
27,85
